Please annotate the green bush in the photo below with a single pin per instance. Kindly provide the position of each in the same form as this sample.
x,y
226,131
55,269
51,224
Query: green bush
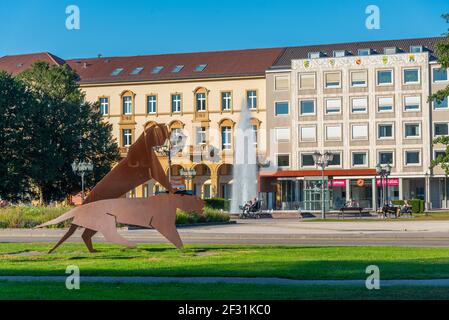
x,y
209,215
418,206
30,217
218,203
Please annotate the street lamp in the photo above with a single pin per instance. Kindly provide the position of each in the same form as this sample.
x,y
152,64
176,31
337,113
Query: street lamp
x,y
323,160
81,168
384,172
170,148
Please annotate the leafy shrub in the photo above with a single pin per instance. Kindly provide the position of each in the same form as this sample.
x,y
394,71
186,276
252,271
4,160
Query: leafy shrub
x,y
30,217
218,203
209,215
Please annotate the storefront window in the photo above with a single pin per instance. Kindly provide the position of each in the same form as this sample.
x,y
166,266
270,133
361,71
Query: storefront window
x,y
362,193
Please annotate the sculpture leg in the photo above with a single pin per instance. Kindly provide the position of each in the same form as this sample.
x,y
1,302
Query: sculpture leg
x,y
69,233
109,231
87,238
169,231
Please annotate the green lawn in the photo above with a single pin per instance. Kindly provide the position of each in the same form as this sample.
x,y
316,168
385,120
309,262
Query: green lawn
x,y
227,260
177,291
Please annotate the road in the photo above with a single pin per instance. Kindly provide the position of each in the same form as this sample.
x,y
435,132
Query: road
x,y
277,232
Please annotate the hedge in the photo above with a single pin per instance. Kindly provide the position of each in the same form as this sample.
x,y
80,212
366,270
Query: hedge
x,y
218,203
417,205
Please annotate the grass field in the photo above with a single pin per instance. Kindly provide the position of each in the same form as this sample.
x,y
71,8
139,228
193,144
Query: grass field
x,y
227,260
222,291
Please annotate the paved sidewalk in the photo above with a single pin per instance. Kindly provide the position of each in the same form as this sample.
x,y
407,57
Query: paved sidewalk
x,y
212,280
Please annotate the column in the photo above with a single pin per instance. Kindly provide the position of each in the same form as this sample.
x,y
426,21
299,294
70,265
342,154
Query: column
x,y
374,192
401,189
214,184
348,190
427,193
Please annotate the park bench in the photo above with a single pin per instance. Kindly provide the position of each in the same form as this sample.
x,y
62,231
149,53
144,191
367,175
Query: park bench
x,y
344,210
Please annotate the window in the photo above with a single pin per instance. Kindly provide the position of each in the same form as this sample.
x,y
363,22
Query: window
x,y
385,104
359,159
201,135
385,131
333,132
177,68
226,138
416,49
359,78
127,105
282,134
200,101
384,77
359,105
412,130
439,74
157,69
136,71
332,79
439,153
333,106
340,53
175,103
283,160
307,107
359,131
104,106
281,83
151,104
281,108
392,50
200,67
307,160
116,72
440,104
127,136
412,158
315,55
411,76
251,97
307,81
336,161
441,129
255,135
226,101
386,157
364,52
412,103
307,133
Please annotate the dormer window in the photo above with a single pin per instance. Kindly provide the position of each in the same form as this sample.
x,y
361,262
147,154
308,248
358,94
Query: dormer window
x,y
200,67
416,49
136,71
340,53
157,70
391,50
364,52
177,68
315,55
116,72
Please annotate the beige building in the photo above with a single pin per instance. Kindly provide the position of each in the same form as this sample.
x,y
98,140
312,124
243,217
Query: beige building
x,y
367,104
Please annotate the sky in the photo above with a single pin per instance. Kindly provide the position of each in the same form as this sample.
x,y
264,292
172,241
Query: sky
x,y
139,27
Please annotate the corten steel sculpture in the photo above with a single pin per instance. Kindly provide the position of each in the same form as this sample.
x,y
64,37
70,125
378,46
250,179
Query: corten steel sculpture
x,y
101,210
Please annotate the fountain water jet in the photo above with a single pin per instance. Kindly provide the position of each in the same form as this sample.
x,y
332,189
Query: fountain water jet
x,y
244,187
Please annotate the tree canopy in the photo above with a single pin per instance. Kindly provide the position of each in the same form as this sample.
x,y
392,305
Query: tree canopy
x,y
61,127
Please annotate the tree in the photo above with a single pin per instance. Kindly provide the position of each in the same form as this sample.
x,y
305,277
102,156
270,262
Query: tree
x,y
442,52
16,107
63,128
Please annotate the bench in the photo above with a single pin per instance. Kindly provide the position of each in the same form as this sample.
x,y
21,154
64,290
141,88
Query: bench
x,y
344,210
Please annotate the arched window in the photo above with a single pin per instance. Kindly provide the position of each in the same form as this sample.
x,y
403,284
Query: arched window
x,y
127,103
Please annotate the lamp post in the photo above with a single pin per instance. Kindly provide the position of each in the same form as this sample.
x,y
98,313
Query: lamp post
x,y
188,174
171,147
81,168
384,172
323,160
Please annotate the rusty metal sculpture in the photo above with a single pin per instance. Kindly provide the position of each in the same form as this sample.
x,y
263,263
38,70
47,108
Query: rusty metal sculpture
x,y
101,210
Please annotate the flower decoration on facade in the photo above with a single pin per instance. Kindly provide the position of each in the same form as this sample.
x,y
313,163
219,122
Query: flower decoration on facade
x,y
358,61
332,62
306,63
411,58
385,59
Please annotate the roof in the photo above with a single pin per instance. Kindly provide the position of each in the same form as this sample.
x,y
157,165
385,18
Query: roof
x,y
19,63
237,63
302,52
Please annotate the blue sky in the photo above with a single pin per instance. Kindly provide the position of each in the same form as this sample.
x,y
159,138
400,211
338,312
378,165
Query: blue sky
x,y
136,27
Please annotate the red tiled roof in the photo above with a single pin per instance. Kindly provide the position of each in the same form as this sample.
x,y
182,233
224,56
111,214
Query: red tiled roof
x,y
219,64
19,63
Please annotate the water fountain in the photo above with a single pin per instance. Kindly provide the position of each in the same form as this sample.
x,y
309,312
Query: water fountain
x,y
244,187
